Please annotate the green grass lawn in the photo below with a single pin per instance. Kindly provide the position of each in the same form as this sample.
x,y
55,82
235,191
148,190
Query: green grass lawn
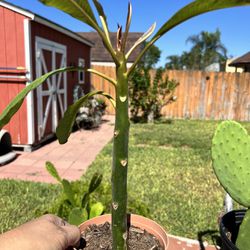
x,y
21,201
170,172
170,180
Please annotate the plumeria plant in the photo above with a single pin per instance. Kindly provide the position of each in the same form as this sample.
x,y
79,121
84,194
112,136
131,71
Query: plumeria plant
x,y
82,10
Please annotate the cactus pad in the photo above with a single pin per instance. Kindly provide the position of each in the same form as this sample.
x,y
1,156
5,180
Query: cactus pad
x,y
243,241
231,160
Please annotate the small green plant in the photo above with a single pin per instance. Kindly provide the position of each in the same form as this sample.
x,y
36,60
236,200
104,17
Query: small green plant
x,y
150,94
83,11
231,162
78,210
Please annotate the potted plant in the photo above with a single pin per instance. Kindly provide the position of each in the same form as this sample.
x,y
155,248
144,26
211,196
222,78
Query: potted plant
x,y
82,10
90,114
231,163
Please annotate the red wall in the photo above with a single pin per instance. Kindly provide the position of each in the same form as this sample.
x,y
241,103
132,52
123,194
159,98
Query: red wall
x,y
75,50
12,55
11,39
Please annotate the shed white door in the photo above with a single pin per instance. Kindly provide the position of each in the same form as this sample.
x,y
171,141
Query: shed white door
x,y
52,94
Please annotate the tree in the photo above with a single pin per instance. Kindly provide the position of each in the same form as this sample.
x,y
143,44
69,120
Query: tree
x,y
150,92
151,57
206,49
174,62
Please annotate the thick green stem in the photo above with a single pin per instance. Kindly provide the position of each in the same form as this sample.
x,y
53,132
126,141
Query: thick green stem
x,y
120,160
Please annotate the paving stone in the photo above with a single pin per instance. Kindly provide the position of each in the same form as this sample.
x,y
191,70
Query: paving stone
x,y
14,169
71,159
8,175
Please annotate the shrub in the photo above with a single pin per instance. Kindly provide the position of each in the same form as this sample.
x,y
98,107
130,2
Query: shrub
x,y
150,94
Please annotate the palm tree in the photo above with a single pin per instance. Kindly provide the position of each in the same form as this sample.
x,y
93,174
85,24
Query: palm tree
x,y
174,62
207,49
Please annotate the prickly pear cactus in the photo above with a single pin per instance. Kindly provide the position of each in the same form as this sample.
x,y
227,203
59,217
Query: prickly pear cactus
x,y
243,242
231,160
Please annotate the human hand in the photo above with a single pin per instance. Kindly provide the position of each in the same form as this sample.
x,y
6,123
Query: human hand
x,y
48,232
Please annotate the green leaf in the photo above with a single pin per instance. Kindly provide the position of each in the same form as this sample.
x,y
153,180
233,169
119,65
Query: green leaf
x,y
96,210
16,103
105,77
79,9
66,123
144,37
196,8
100,9
85,200
60,210
95,182
242,241
103,19
52,171
77,216
128,22
68,191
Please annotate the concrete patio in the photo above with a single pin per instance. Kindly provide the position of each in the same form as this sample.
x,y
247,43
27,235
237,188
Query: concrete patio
x,y
71,159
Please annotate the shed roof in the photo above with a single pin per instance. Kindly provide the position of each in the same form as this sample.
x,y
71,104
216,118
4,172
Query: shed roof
x,y
100,54
45,21
241,61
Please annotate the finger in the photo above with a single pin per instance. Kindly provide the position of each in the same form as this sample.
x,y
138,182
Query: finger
x,y
60,222
51,218
55,220
73,234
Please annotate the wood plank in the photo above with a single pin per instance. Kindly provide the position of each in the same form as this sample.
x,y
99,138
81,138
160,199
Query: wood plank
x,y
11,38
201,95
2,39
23,122
14,128
4,100
19,24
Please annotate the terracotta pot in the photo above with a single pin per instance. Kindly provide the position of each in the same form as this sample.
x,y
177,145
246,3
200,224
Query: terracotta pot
x,y
137,221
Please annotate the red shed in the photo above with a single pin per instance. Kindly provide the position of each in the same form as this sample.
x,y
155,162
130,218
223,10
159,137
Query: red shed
x,y
30,46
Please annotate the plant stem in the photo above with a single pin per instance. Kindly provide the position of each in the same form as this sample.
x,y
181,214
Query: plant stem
x,y
120,159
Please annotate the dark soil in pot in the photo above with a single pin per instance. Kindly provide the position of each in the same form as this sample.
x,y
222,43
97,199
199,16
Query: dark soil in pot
x,y
98,237
229,228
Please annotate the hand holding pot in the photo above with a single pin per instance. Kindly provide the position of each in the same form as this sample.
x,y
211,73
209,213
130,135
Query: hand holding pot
x,y
47,232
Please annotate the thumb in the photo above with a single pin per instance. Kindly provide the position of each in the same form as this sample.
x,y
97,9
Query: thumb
x,y
73,235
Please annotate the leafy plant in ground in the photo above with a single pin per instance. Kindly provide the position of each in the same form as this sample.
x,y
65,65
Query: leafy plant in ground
x,y
78,210
82,10
148,91
231,162
150,94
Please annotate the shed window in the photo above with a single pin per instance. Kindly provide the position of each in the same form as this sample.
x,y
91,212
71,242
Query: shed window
x,y
81,74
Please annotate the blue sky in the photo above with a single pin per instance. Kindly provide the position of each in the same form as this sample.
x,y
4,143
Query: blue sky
x,y
233,23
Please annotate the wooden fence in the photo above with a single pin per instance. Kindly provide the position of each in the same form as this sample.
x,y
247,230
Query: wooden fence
x,y
200,95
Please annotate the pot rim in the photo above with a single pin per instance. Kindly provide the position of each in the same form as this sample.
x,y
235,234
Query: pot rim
x,y
137,220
